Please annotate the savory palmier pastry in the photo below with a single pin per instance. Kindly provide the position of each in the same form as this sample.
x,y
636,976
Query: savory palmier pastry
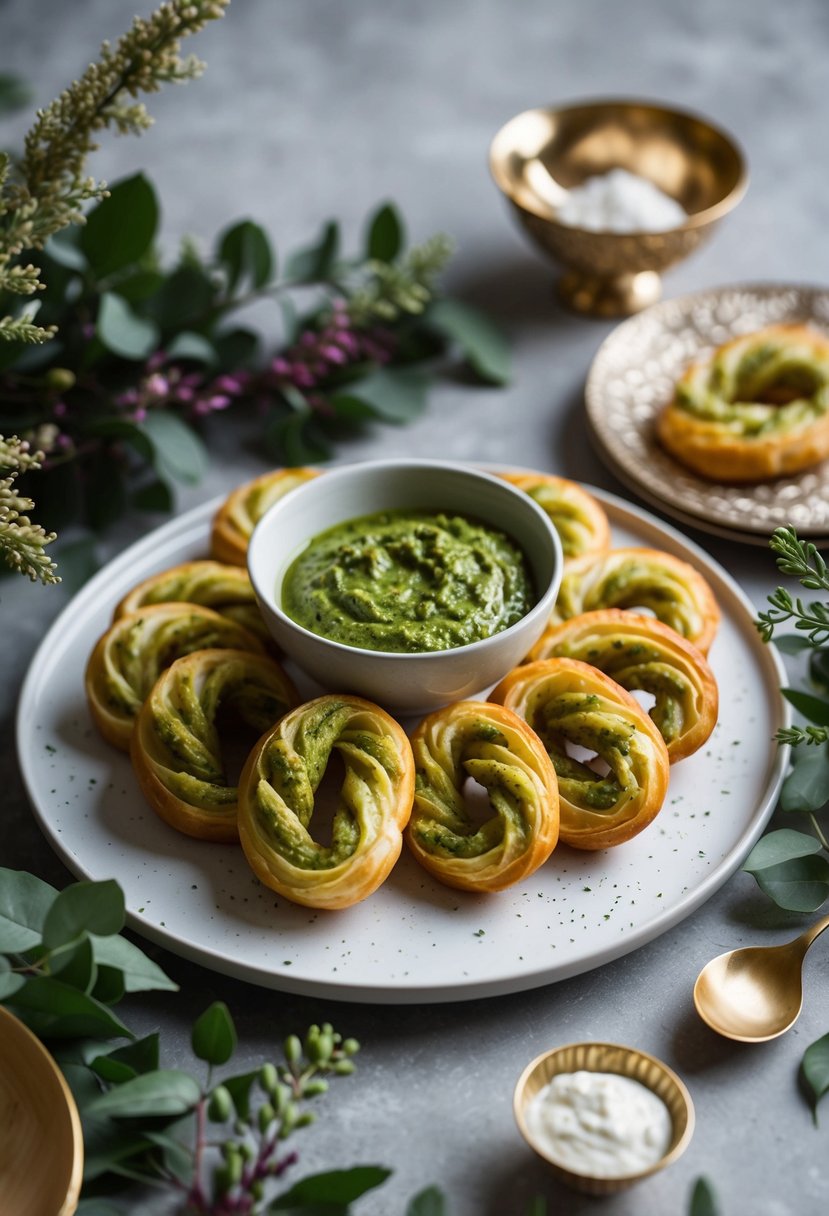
x,y
578,518
241,511
130,656
671,589
225,589
494,747
641,653
178,747
277,793
569,703
757,407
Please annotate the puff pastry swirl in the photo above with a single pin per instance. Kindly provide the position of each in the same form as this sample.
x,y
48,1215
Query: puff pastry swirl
x,y
276,802
241,511
128,659
635,578
641,653
567,702
578,518
176,747
225,589
497,749
758,407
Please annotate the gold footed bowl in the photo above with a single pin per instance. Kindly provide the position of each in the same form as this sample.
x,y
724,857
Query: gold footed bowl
x,y
541,154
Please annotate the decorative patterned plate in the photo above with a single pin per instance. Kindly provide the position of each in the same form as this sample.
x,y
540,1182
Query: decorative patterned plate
x,y
413,940
632,377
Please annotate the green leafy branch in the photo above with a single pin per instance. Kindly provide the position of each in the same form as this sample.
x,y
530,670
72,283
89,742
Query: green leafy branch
x,y
22,543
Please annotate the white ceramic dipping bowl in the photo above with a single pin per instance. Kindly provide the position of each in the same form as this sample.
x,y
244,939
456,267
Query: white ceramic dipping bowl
x,y
413,683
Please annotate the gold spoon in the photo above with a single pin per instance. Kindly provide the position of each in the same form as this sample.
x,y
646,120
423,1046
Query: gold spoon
x,y
756,993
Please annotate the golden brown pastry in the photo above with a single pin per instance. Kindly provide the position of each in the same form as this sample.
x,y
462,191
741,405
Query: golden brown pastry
x,y
569,703
241,511
177,748
130,656
276,802
225,589
758,407
576,515
641,653
497,749
671,589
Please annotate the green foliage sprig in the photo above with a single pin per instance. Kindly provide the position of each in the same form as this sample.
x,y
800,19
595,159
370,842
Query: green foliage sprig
x,y
790,866
22,543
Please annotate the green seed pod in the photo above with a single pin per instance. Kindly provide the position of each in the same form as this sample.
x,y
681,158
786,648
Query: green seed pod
x,y
220,1106
306,1120
247,1150
265,1117
60,378
234,1167
281,1098
293,1049
351,1047
289,1118
343,1068
257,1189
269,1078
312,1088
222,1181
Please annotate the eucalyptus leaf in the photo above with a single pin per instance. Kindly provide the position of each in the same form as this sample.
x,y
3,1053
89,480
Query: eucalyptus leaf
x,y
352,408
819,668
799,885
236,348
806,788
74,964
156,496
95,1206
239,1089
396,396
316,262
293,439
64,248
96,907
114,1071
24,903
140,1056
385,234
127,432
814,1068
141,974
336,1187
245,252
164,1092
10,982
56,1010
123,331
430,1202
815,709
192,346
141,286
178,1159
109,987
214,1034
776,847
178,451
185,300
120,229
483,345
703,1200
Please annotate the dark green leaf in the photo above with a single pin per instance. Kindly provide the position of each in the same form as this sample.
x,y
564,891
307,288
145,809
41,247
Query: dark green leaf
x,y
120,229
819,668
776,847
351,408
792,643
484,347
179,453
317,261
239,1089
106,491
245,252
109,986
185,300
799,885
194,347
293,440
15,94
165,1092
139,1057
73,964
156,496
24,903
178,1159
430,1202
55,1010
114,1071
97,1207
815,1070
214,1035
64,249
123,331
816,709
235,349
128,432
10,981
703,1200
807,786
77,560
337,1187
141,286
395,396
385,234
94,907
141,974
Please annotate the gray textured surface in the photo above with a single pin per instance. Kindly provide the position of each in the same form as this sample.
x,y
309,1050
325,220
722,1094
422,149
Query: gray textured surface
x,y
313,108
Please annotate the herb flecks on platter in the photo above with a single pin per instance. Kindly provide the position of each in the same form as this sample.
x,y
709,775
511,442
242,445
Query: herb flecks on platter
x,y
792,866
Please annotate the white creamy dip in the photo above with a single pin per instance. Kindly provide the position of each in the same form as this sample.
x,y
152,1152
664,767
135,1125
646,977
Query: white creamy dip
x,y
620,201
599,1124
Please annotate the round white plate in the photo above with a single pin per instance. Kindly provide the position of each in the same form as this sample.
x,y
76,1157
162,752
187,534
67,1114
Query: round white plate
x,y
413,940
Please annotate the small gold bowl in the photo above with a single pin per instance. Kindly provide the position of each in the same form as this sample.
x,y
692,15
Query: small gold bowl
x,y
540,154
613,1058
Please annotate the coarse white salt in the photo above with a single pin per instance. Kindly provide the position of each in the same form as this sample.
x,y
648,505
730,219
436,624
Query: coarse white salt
x,y
620,201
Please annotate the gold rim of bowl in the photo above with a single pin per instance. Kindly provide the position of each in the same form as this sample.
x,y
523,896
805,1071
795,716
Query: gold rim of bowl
x,y
614,1058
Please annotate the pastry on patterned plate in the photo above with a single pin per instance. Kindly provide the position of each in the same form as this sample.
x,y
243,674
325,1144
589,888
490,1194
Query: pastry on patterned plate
x,y
758,407
578,518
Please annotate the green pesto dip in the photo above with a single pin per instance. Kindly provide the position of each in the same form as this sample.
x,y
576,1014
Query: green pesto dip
x,y
408,581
